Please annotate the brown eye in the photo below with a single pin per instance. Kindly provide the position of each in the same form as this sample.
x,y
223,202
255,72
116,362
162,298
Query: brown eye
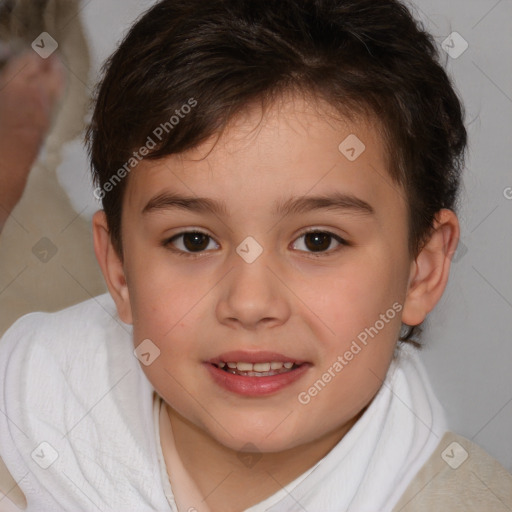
x,y
319,241
195,241
189,242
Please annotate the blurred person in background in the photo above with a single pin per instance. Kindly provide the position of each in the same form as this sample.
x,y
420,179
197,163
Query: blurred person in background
x,y
30,87
46,257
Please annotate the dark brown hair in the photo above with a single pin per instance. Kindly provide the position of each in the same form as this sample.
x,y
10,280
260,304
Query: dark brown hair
x,y
361,56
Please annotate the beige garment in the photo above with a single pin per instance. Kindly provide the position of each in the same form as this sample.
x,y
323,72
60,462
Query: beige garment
x,y
479,484
46,254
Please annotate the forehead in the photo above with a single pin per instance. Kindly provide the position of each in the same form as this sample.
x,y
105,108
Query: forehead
x,y
295,147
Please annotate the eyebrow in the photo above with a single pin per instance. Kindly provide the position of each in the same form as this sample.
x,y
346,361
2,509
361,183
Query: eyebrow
x,y
334,201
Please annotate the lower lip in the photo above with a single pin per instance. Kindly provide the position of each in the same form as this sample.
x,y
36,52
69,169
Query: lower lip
x,y
255,386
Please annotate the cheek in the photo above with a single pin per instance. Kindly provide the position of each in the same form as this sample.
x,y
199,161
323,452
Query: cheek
x,y
160,295
357,294
159,313
361,304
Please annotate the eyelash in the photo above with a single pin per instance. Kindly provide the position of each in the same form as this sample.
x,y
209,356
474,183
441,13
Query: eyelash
x,y
168,242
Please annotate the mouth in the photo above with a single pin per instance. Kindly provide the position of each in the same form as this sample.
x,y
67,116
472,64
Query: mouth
x,y
256,373
266,369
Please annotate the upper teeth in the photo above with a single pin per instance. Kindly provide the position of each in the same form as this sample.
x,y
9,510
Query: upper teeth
x,y
257,367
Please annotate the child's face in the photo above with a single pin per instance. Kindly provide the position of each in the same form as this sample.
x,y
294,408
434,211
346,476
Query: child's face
x,y
306,305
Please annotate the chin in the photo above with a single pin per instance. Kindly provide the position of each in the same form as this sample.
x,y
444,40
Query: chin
x,y
247,439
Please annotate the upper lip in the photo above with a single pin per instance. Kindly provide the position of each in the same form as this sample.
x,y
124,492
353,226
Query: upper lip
x,y
242,356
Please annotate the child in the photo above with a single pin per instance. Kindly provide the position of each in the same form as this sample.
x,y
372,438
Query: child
x,y
278,182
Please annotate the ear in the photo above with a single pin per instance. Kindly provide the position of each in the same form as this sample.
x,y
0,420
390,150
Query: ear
x,y
431,268
111,266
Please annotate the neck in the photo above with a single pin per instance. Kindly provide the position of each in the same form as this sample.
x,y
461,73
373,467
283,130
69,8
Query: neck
x,y
220,472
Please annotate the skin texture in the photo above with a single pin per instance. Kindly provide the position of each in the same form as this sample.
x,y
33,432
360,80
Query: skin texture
x,y
307,305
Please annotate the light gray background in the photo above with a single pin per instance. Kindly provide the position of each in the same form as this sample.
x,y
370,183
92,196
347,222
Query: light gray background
x,y
468,337
468,342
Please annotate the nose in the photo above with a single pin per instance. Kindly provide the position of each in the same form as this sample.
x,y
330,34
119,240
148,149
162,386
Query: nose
x,y
252,297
